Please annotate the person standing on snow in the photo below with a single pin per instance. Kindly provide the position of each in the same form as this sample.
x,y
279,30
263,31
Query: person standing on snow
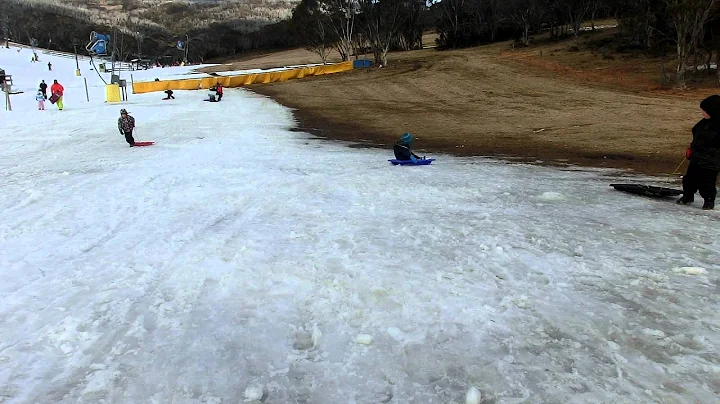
x,y
49,66
402,149
43,88
126,124
40,98
58,90
704,156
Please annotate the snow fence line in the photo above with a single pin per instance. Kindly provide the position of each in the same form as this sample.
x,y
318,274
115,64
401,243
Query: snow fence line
x,y
240,80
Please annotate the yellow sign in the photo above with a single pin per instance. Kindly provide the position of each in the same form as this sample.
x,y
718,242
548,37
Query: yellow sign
x,y
112,93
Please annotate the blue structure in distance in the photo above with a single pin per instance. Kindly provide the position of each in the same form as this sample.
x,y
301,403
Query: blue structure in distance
x,y
98,44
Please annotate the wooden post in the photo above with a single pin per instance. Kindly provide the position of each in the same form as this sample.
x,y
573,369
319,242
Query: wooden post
x,y
7,84
87,95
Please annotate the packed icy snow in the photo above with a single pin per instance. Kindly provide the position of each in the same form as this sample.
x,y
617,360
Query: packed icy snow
x,y
239,261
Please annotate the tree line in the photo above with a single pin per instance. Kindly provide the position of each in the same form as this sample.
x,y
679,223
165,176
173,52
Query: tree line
x,y
686,28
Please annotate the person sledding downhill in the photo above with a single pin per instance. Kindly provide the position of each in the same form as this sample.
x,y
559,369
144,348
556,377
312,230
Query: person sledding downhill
x,y
402,149
126,124
704,156
219,91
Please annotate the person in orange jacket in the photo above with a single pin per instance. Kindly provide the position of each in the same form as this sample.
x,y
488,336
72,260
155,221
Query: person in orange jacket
x,y
58,90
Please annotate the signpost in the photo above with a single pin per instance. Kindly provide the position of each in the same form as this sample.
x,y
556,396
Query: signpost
x,y
77,64
6,85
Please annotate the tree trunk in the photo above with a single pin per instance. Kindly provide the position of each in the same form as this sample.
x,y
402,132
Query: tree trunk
x,y
526,35
341,50
689,20
663,71
383,56
707,63
682,64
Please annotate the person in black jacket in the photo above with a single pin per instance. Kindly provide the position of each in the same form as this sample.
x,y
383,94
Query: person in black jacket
x,y
704,156
43,88
402,149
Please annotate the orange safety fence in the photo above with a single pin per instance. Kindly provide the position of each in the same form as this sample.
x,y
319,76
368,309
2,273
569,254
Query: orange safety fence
x,y
240,80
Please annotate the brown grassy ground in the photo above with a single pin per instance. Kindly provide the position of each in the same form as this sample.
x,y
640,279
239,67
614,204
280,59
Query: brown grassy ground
x,y
272,59
486,101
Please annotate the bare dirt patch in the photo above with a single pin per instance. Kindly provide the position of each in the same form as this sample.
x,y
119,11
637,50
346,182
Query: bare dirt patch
x,y
477,102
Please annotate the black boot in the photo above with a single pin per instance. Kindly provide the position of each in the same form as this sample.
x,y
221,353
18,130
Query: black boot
x,y
708,205
684,200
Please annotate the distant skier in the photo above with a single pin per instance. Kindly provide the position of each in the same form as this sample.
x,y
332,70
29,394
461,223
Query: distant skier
x,y
169,94
704,156
43,88
126,124
40,98
57,91
402,149
49,66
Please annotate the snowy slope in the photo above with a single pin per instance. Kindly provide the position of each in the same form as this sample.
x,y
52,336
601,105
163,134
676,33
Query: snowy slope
x,y
236,259
27,77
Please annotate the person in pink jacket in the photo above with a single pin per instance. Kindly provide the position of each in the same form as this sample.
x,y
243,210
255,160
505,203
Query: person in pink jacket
x,y
40,98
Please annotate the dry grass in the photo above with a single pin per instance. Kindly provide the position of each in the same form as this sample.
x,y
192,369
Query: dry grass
x,y
477,102
265,60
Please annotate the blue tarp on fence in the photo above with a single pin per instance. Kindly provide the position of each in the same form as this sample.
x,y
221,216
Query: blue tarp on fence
x,y
358,64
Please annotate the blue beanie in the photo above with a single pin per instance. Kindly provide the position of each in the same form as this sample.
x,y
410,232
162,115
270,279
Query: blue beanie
x,y
406,138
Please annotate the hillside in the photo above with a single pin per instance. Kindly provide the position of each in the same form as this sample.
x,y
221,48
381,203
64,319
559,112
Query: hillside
x,y
149,28
174,16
